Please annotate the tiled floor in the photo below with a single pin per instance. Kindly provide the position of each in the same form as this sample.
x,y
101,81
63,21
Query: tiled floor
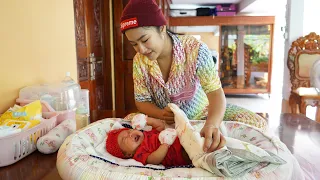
x,y
263,104
255,103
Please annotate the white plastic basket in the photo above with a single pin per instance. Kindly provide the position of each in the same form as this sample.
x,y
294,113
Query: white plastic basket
x,y
17,146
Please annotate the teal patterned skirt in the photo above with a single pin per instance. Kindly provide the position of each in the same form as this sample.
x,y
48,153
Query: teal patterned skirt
x,y
240,114
235,113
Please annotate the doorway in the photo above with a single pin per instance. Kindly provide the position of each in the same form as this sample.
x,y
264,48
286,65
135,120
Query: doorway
x,y
93,46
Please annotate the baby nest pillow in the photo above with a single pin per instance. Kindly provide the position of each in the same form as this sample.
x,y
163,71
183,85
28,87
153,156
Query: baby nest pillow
x,y
79,156
52,141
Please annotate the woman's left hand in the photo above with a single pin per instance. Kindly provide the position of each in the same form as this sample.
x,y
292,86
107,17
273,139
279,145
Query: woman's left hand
x,y
214,140
157,124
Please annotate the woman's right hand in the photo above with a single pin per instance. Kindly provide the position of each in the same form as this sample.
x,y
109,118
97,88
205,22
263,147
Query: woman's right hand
x,y
167,115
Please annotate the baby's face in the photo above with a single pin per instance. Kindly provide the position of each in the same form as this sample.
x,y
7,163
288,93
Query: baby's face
x,y
129,141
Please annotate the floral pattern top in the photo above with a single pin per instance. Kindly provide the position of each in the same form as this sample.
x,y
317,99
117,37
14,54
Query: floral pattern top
x,y
193,74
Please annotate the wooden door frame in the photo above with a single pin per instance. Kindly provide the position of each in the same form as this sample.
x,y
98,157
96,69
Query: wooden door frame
x,y
118,56
107,53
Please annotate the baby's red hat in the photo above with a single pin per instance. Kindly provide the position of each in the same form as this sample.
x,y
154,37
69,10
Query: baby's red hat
x,y
112,145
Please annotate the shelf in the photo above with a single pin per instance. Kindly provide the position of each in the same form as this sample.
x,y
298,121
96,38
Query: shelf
x,y
220,20
244,91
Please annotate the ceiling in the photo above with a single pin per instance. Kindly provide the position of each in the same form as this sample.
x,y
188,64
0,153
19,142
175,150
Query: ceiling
x,y
245,7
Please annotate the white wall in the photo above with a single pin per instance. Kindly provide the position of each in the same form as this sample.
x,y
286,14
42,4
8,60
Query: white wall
x,y
302,18
278,51
294,30
311,17
37,45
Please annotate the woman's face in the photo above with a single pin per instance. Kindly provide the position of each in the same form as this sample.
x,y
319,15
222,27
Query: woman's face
x,y
148,41
129,141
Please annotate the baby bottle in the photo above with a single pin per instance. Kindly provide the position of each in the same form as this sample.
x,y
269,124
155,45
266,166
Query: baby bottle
x,y
82,112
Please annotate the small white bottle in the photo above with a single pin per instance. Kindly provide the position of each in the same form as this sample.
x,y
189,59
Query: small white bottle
x,y
82,117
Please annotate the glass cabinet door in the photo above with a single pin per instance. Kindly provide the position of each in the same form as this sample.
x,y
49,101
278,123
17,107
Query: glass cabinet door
x,y
245,57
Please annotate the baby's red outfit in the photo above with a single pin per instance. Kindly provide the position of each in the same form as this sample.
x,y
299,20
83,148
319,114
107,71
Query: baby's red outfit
x,y
151,143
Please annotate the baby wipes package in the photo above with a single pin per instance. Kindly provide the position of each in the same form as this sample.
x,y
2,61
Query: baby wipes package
x,y
32,111
20,124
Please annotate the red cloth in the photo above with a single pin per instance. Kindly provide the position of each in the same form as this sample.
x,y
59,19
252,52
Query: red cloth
x,y
112,144
138,13
152,143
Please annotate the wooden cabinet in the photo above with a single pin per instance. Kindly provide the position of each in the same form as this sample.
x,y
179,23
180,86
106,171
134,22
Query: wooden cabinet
x,y
243,46
245,58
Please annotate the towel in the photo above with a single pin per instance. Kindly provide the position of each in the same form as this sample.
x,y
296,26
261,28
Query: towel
x,y
235,159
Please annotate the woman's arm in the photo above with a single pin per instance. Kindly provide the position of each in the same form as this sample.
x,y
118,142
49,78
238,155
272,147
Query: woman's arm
x,y
154,111
216,109
143,98
210,83
157,124
158,156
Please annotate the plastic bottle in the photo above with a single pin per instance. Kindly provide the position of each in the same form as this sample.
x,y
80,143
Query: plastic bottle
x,y
71,96
68,79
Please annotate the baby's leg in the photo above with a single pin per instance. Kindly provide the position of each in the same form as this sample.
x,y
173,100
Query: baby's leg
x,y
192,142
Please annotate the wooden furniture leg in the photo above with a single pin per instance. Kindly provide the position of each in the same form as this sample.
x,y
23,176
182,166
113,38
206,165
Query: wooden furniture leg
x,y
318,113
293,104
303,106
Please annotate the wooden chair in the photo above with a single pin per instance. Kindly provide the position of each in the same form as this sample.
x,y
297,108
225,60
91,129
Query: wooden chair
x,y
301,56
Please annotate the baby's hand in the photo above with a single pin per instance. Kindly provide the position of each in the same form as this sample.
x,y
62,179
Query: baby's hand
x,y
139,121
168,136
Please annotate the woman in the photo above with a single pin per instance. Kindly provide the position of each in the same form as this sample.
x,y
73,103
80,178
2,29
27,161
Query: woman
x,y
170,68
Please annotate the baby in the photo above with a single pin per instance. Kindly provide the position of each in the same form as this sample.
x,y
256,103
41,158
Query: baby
x,y
236,159
148,147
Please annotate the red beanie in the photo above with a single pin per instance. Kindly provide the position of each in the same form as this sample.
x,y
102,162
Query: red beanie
x,y
112,145
139,13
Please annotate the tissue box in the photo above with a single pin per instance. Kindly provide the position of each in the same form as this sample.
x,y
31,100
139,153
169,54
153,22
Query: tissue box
x,y
226,10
